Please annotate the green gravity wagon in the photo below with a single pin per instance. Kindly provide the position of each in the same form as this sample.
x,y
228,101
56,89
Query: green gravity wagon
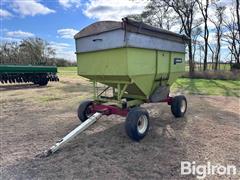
x,y
138,63
27,73
129,63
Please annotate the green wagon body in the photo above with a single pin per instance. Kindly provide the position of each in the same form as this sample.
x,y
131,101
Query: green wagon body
x,y
136,60
142,69
28,73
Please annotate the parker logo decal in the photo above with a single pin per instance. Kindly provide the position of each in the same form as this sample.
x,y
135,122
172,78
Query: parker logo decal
x,y
178,60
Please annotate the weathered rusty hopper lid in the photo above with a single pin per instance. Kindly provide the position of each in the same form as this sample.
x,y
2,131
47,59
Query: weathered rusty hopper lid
x,y
129,26
98,27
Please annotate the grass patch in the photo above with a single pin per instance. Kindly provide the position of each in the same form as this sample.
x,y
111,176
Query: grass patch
x,y
49,98
67,69
222,66
68,72
207,87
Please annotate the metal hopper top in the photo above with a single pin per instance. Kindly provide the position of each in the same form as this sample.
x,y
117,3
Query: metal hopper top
x,y
129,25
105,35
99,27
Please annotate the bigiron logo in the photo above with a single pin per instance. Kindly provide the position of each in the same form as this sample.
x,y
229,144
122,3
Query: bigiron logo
x,y
201,171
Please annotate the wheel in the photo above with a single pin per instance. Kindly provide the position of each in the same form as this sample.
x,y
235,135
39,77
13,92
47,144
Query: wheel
x,y
179,106
43,82
40,80
84,111
35,81
137,123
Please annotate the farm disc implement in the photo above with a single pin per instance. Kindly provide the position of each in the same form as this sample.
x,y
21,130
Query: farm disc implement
x,y
28,74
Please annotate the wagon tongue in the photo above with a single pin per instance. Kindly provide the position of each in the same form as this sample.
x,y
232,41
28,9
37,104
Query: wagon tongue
x,y
71,135
44,154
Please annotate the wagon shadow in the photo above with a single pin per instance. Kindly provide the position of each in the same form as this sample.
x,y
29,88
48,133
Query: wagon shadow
x,y
227,90
191,88
20,87
234,82
76,87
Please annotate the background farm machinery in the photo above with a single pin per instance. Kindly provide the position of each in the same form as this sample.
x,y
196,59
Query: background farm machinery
x,y
28,74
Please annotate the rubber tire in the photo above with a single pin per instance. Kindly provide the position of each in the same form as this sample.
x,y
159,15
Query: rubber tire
x,y
43,82
176,106
132,122
82,110
35,81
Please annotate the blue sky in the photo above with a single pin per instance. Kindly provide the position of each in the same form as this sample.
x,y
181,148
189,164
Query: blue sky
x,y
58,20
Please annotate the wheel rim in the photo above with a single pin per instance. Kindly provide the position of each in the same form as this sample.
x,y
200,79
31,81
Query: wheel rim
x,y
183,106
88,112
142,124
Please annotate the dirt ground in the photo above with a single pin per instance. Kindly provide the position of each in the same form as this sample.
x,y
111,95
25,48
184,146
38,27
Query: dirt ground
x,y
32,119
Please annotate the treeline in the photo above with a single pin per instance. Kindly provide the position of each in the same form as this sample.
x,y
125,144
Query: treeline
x,y
210,24
34,51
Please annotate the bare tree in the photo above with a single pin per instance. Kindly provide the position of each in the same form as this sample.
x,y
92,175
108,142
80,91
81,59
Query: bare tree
x,y
232,33
185,11
218,23
195,35
212,55
238,25
159,14
28,51
203,6
9,52
201,49
37,50
238,16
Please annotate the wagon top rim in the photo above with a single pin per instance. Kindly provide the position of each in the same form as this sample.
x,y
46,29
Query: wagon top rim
x,y
128,25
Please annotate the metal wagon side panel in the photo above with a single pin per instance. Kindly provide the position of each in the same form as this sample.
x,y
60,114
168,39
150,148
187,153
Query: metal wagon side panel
x,y
119,38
